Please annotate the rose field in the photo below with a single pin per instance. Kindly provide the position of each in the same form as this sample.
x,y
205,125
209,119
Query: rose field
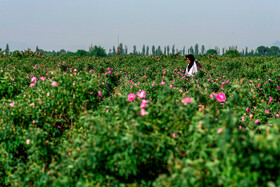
x,y
138,121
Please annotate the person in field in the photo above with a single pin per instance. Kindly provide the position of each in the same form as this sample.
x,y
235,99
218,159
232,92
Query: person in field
x,y
193,65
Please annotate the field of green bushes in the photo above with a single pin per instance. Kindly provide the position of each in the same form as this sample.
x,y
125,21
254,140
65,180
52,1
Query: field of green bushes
x,y
137,121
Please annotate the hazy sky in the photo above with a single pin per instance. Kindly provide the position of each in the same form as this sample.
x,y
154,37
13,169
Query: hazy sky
x,y
75,24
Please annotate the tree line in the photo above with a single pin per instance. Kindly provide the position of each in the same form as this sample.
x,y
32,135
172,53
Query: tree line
x,y
121,49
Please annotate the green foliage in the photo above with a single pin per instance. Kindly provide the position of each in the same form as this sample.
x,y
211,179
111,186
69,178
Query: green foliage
x,y
211,52
98,52
81,52
232,53
85,132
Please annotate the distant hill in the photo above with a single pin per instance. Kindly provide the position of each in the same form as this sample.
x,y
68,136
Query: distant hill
x,y
277,43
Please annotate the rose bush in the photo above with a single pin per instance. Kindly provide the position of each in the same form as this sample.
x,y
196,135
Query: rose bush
x,y
140,121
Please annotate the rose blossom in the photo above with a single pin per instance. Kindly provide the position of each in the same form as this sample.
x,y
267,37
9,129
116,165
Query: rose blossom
x,y
221,97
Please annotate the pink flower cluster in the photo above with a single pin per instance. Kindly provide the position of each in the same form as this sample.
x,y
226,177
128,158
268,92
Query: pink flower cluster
x,y
141,94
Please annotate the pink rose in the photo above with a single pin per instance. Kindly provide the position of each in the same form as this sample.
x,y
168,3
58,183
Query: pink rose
x,y
266,111
220,130
143,112
99,94
54,84
131,97
186,100
32,85
141,94
221,97
34,79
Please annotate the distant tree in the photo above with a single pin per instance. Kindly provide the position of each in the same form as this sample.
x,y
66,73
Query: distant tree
x,y
120,50
37,49
54,53
246,51
232,53
7,50
114,53
126,50
173,49
110,52
134,50
211,52
191,51
184,50
262,50
217,50
274,50
178,52
252,52
62,52
1,52
167,50
147,51
80,52
159,51
164,51
242,53
196,51
90,48
202,49
98,51
153,50
232,47
70,53
143,50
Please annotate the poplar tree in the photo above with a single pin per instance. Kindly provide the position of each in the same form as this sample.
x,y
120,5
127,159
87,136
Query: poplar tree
x,y
7,50
191,51
202,49
218,50
120,50
114,51
159,51
143,50
246,51
153,50
196,51
125,49
147,50
134,50
167,49
173,49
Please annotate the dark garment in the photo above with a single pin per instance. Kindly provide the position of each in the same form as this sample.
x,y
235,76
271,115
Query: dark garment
x,y
199,66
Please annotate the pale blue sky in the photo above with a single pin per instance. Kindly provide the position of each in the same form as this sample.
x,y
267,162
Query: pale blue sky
x,y
75,24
